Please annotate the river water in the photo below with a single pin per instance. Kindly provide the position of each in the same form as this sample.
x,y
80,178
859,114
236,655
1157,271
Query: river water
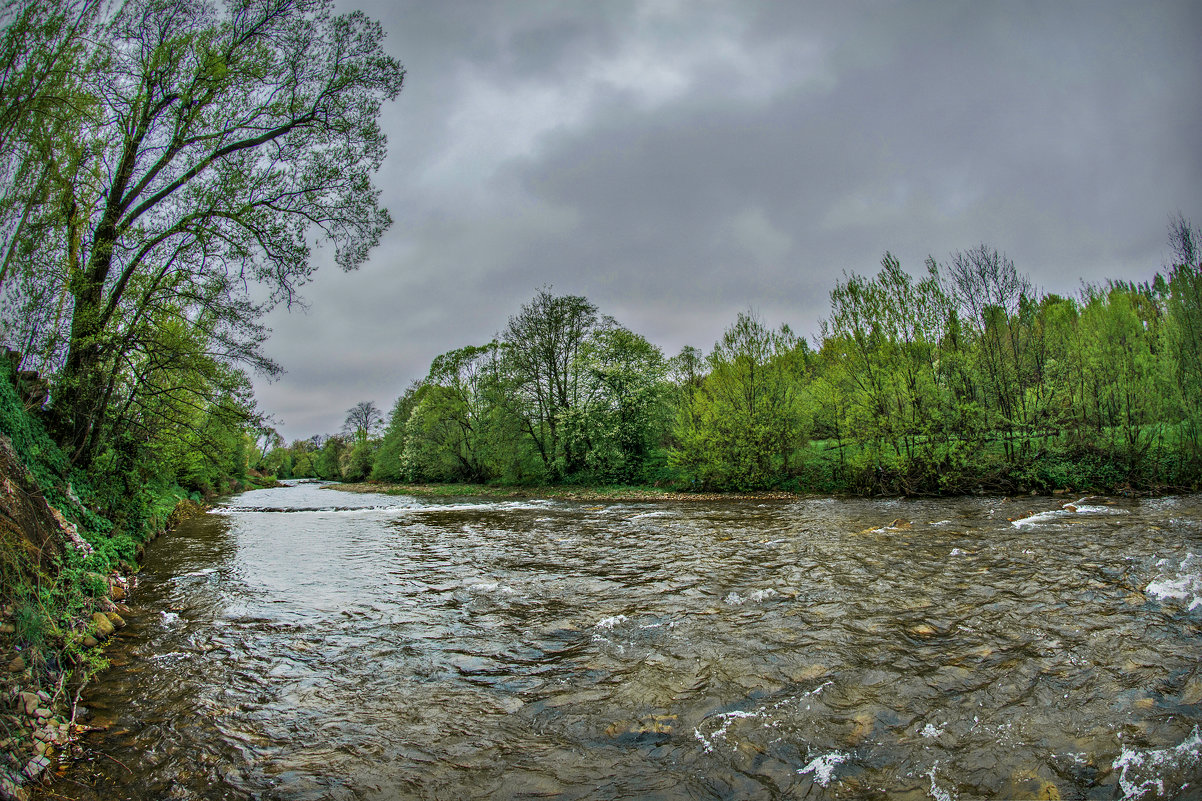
x,y
306,643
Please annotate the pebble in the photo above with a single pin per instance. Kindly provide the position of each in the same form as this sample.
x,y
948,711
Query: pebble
x,y
17,665
90,642
42,712
7,628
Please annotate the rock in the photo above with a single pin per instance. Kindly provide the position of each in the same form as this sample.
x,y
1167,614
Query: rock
x,y
42,713
1027,785
1192,693
7,628
118,592
17,665
35,766
104,626
28,702
650,725
90,642
43,696
10,789
40,748
116,619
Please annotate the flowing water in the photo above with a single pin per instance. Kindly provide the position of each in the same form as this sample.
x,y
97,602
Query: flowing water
x,y
306,643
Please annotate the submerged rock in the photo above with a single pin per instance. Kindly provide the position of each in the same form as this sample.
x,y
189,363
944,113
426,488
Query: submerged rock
x,y
1027,785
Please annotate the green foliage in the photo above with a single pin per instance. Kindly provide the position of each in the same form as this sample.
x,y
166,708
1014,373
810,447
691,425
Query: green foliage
x,y
742,428
357,462
327,462
387,464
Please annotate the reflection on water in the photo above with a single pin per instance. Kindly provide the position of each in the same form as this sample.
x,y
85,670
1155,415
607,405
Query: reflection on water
x,y
304,643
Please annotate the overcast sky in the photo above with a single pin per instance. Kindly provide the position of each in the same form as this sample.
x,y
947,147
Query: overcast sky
x,y
678,162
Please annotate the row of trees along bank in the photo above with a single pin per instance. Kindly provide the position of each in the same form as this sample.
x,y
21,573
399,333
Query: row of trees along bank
x,y
966,378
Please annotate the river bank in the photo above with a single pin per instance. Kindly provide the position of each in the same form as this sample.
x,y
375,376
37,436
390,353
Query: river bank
x,y
44,682
560,493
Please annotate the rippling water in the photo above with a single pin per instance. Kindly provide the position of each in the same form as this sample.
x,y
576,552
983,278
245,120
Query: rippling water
x,y
305,643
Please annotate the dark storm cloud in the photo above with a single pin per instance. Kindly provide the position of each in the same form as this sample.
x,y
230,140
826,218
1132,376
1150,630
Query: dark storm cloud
x,y
678,162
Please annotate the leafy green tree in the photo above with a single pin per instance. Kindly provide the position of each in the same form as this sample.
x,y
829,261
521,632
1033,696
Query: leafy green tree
x,y
744,426
327,462
993,301
223,145
542,343
302,460
1122,349
449,430
626,413
43,57
387,464
1184,329
356,461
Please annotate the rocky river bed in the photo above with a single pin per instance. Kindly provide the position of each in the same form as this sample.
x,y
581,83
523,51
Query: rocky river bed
x,y
305,643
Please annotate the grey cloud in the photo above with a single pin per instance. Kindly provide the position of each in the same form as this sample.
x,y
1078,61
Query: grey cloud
x,y
678,162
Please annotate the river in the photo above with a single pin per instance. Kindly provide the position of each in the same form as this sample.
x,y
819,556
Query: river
x,y
306,643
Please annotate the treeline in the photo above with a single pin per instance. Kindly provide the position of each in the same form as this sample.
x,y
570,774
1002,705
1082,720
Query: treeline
x,y
966,378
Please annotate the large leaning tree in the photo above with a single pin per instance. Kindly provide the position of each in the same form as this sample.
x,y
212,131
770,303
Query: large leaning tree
x,y
223,143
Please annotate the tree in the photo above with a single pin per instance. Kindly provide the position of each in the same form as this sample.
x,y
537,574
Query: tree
x,y
448,434
742,428
327,462
994,302
626,413
386,466
1185,330
42,50
541,346
361,420
225,144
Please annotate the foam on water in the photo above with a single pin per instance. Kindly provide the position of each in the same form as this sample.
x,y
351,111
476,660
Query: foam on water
x,y
734,599
1180,583
1158,770
707,743
1074,509
646,515
1041,517
823,767
937,792
489,587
